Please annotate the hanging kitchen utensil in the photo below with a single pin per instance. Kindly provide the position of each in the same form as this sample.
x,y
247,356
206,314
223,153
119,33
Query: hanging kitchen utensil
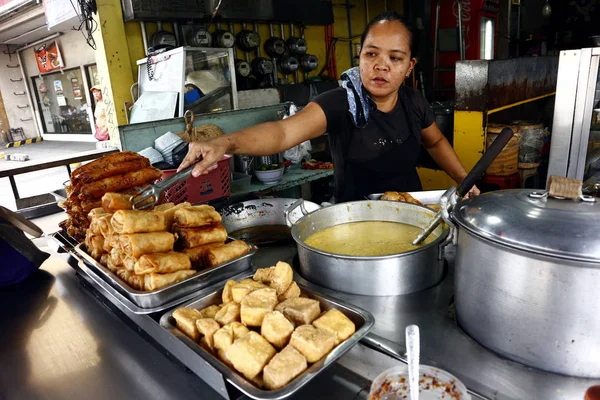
x,y
162,39
309,62
247,40
274,46
261,67
222,38
199,37
473,176
296,45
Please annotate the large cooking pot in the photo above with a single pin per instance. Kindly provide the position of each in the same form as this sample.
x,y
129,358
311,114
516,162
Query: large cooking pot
x,y
528,279
373,276
263,221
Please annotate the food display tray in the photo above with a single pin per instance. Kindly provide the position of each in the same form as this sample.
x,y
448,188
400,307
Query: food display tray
x,y
425,197
363,320
170,293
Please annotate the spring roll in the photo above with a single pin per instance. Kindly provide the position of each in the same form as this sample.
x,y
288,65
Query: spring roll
x,y
165,206
112,267
197,254
112,202
227,252
129,262
197,216
116,256
142,177
94,245
105,226
96,213
170,214
104,259
95,227
133,280
157,281
111,242
134,221
193,237
162,263
138,244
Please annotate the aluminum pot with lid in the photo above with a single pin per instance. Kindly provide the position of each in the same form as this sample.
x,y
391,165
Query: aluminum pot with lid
x,y
395,274
528,277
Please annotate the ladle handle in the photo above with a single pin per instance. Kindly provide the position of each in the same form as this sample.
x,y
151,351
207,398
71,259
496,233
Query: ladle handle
x,y
484,162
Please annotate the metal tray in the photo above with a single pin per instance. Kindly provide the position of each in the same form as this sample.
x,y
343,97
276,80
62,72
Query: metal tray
x,y
157,298
128,304
425,197
363,320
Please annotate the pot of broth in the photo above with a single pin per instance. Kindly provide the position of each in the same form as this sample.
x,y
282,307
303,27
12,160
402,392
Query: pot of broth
x,y
263,221
364,247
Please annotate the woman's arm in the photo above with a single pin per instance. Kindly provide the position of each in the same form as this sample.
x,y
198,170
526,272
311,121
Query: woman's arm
x,y
444,155
263,139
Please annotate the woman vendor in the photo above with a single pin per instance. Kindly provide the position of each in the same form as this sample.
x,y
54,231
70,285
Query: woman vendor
x,y
375,124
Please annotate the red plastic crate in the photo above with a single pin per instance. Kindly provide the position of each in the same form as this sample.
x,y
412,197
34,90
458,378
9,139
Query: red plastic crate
x,y
215,185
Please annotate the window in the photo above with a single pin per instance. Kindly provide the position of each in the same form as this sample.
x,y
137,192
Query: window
x,y
62,102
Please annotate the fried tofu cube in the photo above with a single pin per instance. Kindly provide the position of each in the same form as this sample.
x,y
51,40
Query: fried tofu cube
x,y
204,344
299,310
281,277
210,311
227,297
224,337
243,288
208,327
337,323
277,329
223,357
185,319
250,354
256,304
263,275
313,343
230,312
258,381
292,291
278,277
284,367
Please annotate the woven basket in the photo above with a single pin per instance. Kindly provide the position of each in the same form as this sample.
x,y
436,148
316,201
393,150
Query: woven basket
x,y
507,162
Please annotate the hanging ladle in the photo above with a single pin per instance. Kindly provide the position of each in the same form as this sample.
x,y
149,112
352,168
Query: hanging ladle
x,y
473,176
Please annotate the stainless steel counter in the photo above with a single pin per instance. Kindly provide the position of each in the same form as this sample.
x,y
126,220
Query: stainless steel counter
x,y
62,339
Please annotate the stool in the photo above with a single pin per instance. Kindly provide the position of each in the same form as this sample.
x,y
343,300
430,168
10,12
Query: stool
x,y
527,173
503,182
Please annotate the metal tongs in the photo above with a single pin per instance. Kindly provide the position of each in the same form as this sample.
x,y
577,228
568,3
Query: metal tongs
x,y
141,200
470,180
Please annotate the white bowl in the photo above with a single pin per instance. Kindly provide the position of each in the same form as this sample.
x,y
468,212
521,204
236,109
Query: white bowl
x,y
269,177
393,384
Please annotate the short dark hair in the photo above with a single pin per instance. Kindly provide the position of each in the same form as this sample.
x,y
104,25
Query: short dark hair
x,y
391,16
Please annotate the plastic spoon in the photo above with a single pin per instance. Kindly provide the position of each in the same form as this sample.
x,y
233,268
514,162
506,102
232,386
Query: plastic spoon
x,y
413,352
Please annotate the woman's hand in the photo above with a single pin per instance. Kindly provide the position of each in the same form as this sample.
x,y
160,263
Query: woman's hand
x,y
205,154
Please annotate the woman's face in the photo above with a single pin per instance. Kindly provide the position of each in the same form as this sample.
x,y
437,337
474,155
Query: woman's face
x,y
97,95
385,58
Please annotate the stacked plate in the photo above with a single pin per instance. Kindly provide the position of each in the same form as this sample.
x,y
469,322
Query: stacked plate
x,y
165,145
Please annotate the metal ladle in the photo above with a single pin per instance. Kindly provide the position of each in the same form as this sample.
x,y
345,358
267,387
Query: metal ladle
x,y
473,176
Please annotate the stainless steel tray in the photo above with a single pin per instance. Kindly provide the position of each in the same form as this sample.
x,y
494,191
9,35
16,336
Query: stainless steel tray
x,y
157,298
98,282
425,197
363,320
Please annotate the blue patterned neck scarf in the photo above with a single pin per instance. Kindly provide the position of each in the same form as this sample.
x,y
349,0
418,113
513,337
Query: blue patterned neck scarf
x,y
359,101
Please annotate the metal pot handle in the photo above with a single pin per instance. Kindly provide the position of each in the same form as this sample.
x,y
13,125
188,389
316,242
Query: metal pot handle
x,y
447,203
290,209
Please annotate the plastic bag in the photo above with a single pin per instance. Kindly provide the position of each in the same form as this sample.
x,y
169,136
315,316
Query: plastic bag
x,y
301,152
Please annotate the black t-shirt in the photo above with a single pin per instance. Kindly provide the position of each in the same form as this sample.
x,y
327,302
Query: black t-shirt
x,y
381,156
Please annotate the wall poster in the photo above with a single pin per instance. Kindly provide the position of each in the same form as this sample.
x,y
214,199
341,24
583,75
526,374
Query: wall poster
x,y
48,57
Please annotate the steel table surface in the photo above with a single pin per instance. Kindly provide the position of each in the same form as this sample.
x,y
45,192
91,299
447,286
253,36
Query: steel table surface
x,y
60,342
